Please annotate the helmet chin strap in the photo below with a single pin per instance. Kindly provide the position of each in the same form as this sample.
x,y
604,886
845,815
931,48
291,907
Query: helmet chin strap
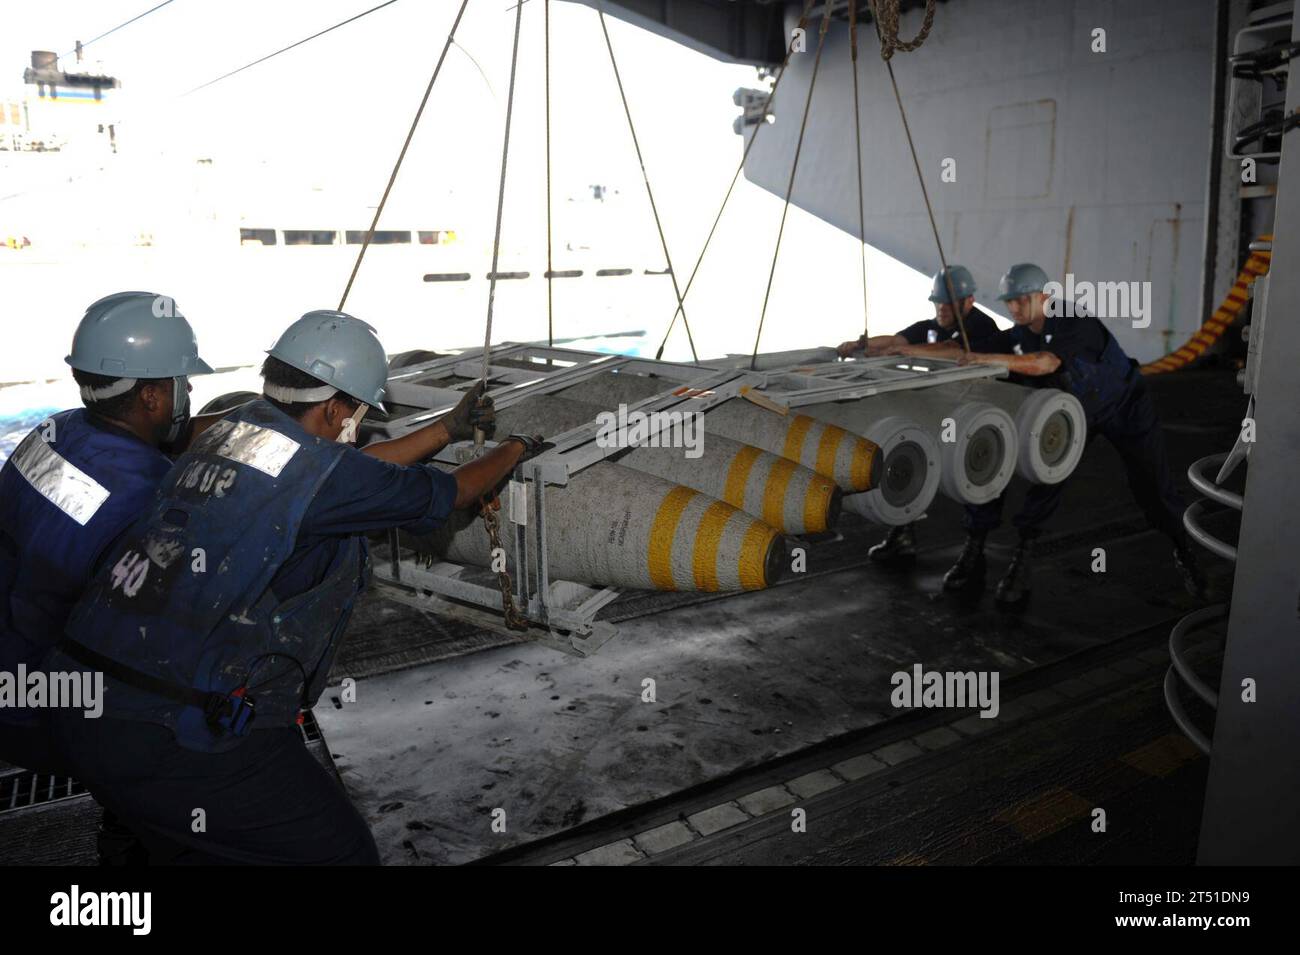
x,y
180,408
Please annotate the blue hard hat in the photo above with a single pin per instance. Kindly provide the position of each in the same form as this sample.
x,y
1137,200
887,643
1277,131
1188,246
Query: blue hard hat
x,y
963,283
1022,279
136,335
339,350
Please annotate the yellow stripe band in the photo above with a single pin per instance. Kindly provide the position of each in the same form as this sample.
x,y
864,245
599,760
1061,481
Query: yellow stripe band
x,y
827,448
707,538
794,437
817,505
753,568
662,532
778,479
861,474
733,491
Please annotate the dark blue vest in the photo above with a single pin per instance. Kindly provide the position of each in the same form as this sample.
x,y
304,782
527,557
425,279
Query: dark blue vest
x,y
1101,386
187,597
62,504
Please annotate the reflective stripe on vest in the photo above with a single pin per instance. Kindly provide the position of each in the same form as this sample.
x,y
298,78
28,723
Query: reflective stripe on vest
x,y
258,447
60,482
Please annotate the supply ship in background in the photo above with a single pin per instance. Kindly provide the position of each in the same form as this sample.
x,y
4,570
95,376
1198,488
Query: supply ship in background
x,y
86,209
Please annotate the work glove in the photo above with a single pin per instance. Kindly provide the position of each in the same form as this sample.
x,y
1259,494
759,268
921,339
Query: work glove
x,y
533,444
475,410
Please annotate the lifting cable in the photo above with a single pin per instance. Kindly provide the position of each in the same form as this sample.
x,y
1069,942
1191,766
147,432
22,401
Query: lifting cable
x,y
857,140
127,23
501,198
286,49
767,105
514,619
885,15
646,178
550,273
379,210
794,168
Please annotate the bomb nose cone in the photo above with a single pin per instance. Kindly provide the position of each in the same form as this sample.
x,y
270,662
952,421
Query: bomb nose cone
x,y
774,561
877,459
835,508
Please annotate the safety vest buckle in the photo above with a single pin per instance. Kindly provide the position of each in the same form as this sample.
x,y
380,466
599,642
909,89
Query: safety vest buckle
x,y
233,712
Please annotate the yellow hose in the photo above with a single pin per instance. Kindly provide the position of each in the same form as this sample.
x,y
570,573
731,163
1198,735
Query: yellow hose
x,y
1223,316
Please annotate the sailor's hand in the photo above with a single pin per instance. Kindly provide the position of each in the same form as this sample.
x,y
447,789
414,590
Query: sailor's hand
x,y
533,445
474,411
971,358
846,349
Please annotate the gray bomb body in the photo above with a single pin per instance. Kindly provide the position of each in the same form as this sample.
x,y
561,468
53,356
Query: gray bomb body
x,y
848,459
790,498
613,526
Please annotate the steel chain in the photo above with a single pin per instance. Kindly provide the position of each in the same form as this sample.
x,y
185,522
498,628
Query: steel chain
x,y
515,620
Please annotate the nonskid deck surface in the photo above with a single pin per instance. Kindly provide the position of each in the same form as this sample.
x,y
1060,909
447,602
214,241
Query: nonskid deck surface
x,y
430,753
940,787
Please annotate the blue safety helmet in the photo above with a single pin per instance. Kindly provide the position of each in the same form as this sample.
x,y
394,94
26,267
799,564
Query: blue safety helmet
x,y
1022,279
963,283
339,350
136,335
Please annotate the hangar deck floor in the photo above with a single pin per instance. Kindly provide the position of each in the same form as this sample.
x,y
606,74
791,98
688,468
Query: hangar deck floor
x,y
750,686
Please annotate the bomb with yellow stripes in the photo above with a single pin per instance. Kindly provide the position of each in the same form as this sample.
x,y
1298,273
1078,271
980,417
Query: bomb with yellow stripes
x,y
790,498
617,527
850,460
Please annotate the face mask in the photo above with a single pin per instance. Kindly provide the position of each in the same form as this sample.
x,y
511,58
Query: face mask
x,y
180,409
348,434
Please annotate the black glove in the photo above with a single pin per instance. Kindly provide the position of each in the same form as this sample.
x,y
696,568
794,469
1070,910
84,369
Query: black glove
x,y
533,444
475,410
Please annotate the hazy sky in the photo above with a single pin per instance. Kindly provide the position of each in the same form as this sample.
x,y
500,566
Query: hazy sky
x,y
332,114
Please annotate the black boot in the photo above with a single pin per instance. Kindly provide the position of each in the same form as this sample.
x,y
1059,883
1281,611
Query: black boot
x,y
1190,571
898,547
970,568
1013,588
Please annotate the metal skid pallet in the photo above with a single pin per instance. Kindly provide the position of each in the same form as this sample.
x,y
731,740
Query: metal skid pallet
x,y
562,613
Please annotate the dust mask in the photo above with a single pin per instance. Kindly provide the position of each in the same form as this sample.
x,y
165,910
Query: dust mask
x,y
348,434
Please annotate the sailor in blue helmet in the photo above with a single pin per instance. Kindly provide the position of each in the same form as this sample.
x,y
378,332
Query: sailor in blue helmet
x,y
215,620
940,337
1053,344
76,483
